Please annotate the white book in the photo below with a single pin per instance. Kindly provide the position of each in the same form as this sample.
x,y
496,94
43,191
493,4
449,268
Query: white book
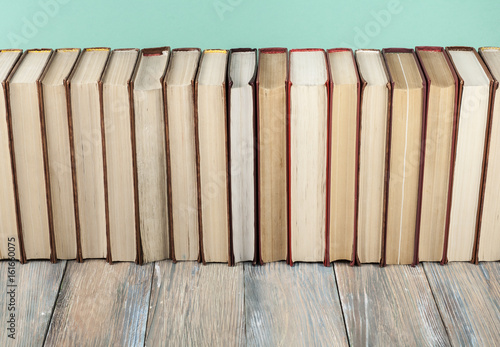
x,y
242,153
489,237
308,124
472,121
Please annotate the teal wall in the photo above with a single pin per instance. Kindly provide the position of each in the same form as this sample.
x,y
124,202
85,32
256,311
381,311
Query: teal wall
x,y
249,23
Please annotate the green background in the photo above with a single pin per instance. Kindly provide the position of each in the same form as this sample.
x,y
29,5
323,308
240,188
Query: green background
x,y
248,23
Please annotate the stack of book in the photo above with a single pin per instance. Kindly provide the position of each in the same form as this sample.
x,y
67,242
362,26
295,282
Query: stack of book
x,y
307,155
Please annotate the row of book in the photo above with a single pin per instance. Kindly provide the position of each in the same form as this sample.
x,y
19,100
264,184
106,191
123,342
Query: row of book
x,y
387,157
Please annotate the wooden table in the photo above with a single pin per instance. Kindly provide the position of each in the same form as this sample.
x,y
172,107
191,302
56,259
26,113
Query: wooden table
x,y
184,304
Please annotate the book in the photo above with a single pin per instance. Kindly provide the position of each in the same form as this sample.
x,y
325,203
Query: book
x,y
308,172
10,233
475,87
180,96
488,234
30,154
85,84
212,159
118,155
373,164
407,117
440,135
271,94
230,156
343,153
153,221
60,150
242,68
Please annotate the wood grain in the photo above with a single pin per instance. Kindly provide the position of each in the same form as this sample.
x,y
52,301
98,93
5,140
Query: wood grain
x,y
36,292
101,304
196,305
468,297
290,306
391,306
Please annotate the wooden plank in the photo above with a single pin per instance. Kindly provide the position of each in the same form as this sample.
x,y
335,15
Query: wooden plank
x,y
391,306
196,305
101,304
36,287
468,297
289,306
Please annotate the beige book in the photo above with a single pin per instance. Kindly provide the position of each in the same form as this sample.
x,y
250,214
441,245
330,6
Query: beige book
x,y
59,150
308,98
30,155
343,153
179,85
472,125
212,156
271,136
489,237
88,142
9,240
372,154
406,131
151,154
119,169
438,153
242,152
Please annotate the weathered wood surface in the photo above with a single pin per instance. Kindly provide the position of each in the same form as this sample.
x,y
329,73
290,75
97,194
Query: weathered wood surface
x,y
196,305
101,305
468,297
292,306
391,306
37,284
272,305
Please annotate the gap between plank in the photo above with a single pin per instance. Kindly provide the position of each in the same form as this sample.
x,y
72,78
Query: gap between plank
x,y
245,304
341,304
149,302
424,267
55,303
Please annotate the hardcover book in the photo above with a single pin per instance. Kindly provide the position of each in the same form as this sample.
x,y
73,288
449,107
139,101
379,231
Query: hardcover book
x,y
118,155
373,164
488,234
308,170
476,84
343,153
153,220
407,117
242,68
212,145
438,149
180,105
30,154
60,150
10,233
85,93
271,85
